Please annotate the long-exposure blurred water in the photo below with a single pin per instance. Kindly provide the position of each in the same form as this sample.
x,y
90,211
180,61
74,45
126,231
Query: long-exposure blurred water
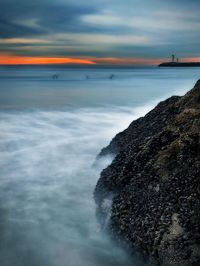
x,y
51,132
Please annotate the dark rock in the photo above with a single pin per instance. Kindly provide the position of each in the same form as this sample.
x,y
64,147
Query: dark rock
x,y
154,183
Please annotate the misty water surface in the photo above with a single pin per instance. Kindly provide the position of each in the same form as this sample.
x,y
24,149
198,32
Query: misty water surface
x,y
51,132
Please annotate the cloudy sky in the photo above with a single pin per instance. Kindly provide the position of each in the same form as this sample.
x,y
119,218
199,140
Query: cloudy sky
x,y
98,31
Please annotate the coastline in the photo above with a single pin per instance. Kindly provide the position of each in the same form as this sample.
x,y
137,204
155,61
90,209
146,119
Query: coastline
x,y
179,64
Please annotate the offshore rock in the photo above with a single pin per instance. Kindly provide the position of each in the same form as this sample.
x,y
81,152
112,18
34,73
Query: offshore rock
x,y
153,183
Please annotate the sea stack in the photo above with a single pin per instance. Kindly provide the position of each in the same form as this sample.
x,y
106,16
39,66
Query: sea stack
x,y
153,183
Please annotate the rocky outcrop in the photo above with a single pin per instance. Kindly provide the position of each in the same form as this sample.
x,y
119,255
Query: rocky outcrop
x,y
153,184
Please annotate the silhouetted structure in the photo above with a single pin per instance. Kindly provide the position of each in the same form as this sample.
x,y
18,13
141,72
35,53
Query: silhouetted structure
x,y
55,76
177,63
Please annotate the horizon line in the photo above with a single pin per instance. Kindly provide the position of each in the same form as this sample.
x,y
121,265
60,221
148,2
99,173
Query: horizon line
x,y
15,60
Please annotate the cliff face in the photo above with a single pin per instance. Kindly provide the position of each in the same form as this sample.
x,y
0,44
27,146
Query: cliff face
x,y
153,183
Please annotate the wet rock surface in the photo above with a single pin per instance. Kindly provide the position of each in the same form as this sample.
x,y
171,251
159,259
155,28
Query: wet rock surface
x,y
154,183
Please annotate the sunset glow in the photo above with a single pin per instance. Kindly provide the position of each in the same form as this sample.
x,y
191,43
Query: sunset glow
x,y
128,61
25,60
192,59
6,59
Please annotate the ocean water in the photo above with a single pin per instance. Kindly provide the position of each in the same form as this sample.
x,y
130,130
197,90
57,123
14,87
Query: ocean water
x,y
51,132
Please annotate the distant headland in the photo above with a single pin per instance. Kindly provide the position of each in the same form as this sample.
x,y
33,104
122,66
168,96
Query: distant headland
x,y
176,63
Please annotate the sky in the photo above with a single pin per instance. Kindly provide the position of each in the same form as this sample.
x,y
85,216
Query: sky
x,y
98,31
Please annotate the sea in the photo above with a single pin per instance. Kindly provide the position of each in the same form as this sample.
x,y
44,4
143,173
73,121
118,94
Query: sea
x,y
53,123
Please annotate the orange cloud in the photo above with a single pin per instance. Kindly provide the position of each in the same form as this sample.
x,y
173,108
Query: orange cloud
x,y
6,59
